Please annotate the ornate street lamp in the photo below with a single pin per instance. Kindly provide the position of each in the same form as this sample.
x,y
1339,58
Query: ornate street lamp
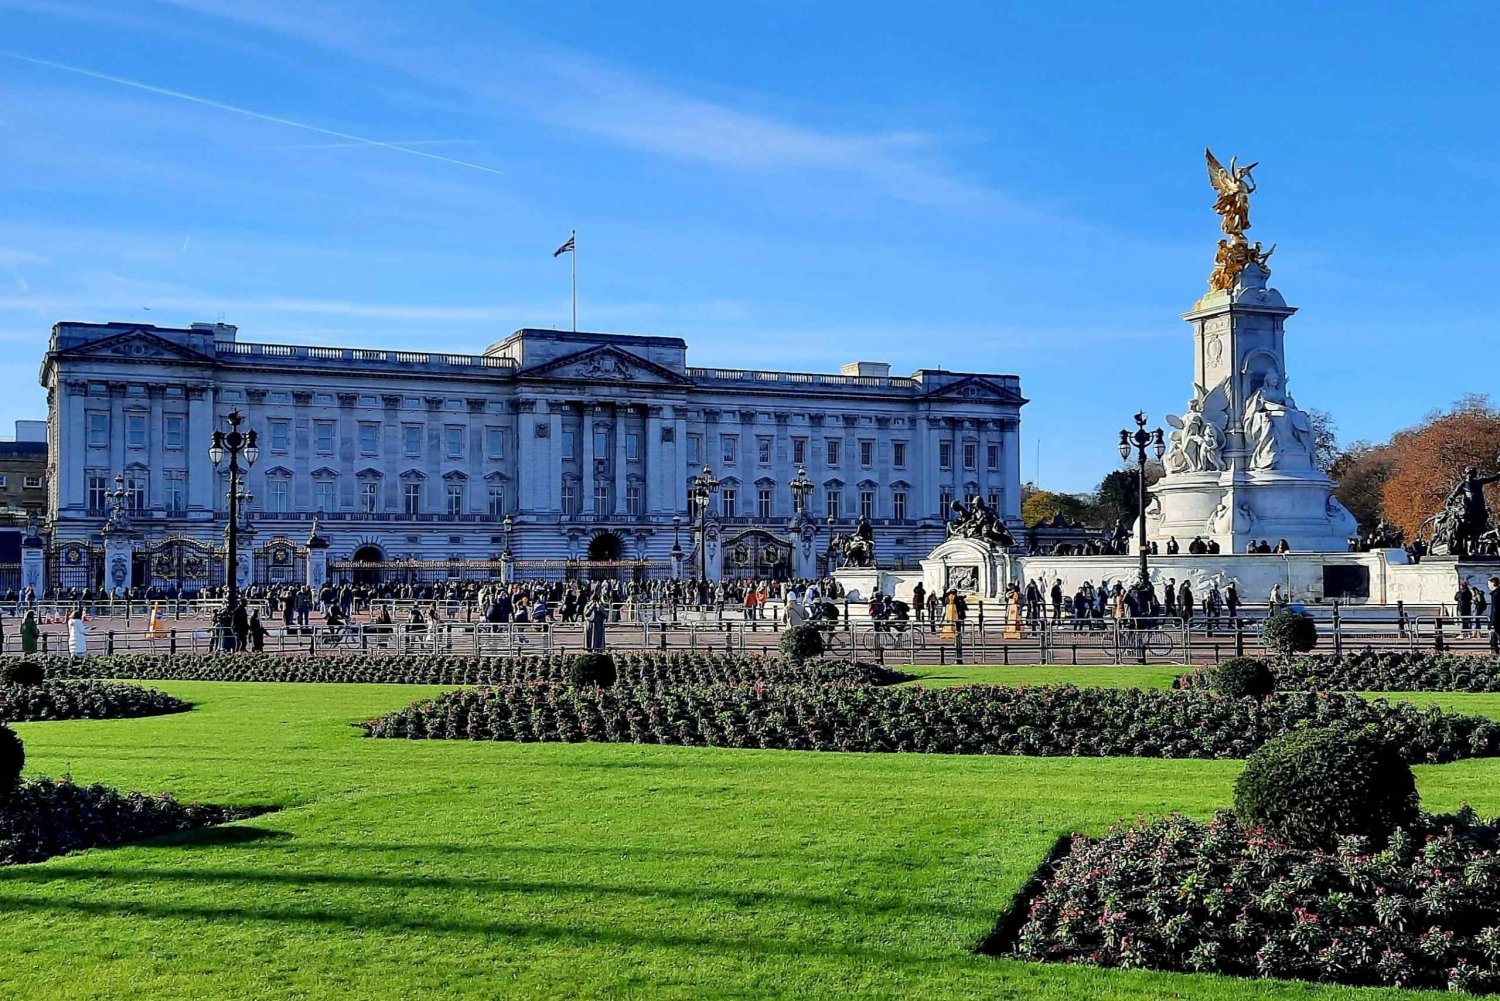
x,y
704,486
801,488
1142,439
233,445
676,545
507,558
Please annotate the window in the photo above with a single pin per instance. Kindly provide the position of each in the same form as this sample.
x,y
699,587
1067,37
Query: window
x,y
453,441
867,504
898,454
135,492
763,503
971,454
945,455
97,486
603,502
98,429
633,447
730,444
323,436
173,431
994,502
411,439
570,501
867,453
411,497
281,436
833,500
570,445
276,501
2,479
455,496
799,451
369,497
29,482
728,497
835,445
323,495
369,437
323,399
898,505
135,430
695,448
633,498
763,451
992,457
497,501
601,443
174,490
945,501
494,442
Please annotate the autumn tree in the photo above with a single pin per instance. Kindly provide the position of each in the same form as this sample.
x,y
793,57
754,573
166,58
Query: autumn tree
x,y
1044,505
1426,461
1361,471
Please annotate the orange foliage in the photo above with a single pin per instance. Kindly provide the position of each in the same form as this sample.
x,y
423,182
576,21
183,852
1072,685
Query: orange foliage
x,y
1428,460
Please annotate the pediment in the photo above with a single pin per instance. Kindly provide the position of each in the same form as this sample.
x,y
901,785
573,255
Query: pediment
x,y
976,387
606,364
135,345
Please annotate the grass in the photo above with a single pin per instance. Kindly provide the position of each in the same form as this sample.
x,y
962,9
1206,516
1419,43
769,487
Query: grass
x,y
457,869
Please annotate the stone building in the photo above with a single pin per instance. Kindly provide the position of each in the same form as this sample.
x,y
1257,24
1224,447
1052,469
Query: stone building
x,y
588,442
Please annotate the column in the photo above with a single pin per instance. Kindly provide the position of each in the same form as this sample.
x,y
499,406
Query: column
x,y
622,418
200,425
654,454
71,440
116,428
156,495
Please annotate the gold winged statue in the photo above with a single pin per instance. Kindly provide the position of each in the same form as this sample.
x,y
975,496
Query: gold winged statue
x,y
1234,186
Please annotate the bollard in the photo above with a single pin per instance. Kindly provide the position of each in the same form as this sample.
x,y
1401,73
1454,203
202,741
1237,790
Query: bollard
x,y
728,638
1437,635
1239,638
1338,636
1401,619
109,642
942,655
958,644
663,636
172,640
1005,654
1075,654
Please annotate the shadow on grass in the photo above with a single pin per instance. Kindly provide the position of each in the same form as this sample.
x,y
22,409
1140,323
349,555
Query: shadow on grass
x,y
1001,940
225,834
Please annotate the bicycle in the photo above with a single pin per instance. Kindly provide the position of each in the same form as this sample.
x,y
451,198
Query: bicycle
x,y
837,643
1132,641
893,636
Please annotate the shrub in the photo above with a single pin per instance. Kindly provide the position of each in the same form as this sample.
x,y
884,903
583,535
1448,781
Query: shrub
x,y
596,670
85,700
1286,633
1242,677
801,643
1312,786
1178,894
12,760
23,672
977,719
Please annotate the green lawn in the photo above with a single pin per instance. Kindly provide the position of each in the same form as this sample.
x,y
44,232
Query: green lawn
x,y
435,870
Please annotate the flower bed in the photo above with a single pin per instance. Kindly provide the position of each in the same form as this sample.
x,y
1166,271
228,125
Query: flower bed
x,y
84,699
1380,672
1060,720
44,818
1176,894
651,669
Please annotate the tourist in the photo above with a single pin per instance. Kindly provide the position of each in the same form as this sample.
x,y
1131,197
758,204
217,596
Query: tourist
x,y
31,633
1276,601
1464,599
1480,604
1494,585
1170,596
1197,547
78,633
241,625
1185,604
1232,604
257,633
595,612
918,600
1056,595
1172,547
1283,546
934,609
1251,547
1212,605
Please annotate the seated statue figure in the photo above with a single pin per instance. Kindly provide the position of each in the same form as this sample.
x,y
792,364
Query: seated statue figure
x,y
1280,435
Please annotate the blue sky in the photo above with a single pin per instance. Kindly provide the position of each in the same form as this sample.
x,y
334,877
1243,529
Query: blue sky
x,y
978,186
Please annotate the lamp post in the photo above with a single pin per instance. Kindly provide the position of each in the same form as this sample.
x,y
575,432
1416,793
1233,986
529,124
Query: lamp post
x,y
1141,439
705,485
676,546
231,445
507,559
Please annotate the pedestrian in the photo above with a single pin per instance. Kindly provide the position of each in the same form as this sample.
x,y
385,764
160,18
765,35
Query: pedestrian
x,y
919,600
240,623
1494,583
1464,599
78,633
1185,604
1232,604
257,633
30,632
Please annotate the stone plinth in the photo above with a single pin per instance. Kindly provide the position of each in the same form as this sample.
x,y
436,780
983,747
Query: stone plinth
x,y
968,566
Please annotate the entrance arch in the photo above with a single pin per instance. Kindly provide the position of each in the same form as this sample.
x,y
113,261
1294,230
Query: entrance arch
x,y
605,547
369,575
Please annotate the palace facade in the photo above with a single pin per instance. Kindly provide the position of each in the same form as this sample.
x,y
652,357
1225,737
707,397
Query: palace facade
x,y
587,442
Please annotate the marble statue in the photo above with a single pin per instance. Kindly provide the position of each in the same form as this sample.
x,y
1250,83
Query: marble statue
x,y
1279,435
1198,438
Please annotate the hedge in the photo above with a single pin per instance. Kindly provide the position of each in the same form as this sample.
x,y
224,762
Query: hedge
x,y
86,699
1061,720
1379,672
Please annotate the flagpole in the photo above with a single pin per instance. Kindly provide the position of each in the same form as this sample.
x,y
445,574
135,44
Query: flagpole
x,y
574,240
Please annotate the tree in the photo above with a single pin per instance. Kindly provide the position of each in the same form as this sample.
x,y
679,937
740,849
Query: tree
x,y
1361,471
1117,495
1325,439
1426,461
1043,505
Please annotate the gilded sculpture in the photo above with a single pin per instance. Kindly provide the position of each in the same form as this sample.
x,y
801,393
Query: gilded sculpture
x,y
1234,185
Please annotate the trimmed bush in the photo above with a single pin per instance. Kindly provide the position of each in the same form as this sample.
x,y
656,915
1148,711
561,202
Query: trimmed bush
x,y
1313,786
85,700
1242,677
24,672
801,643
1286,633
974,719
12,760
595,670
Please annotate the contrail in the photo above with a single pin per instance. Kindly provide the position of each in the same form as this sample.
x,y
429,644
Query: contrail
x,y
179,95
404,144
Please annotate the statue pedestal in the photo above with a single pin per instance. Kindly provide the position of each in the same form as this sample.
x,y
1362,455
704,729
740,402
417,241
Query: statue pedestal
x,y
33,566
968,566
119,561
1233,509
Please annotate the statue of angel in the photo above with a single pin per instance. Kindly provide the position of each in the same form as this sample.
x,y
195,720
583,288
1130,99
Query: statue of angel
x,y
1199,434
1234,186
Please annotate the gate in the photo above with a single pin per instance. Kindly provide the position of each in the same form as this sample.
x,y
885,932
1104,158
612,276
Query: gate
x,y
280,561
759,554
75,566
179,565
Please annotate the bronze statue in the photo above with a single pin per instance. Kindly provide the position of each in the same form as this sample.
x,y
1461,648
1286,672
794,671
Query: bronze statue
x,y
980,523
1460,528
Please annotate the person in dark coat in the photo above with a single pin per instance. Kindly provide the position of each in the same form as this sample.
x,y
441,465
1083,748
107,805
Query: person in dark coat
x,y
257,633
240,622
1494,587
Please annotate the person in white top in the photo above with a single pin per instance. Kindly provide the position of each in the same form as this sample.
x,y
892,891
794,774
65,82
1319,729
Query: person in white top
x,y
78,634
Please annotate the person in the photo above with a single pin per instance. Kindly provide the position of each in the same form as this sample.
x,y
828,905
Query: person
x,y
1494,585
1232,604
257,633
1185,603
1169,595
78,633
934,608
1277,601
1212,605
1056,595
918,600
876,611
1172,547
1283,546
1464,599
1480,604
950,614
157,626
594,614
241,625
1197,547
31,633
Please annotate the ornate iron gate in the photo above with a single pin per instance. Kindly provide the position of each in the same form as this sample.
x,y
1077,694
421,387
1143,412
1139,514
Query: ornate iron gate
x,y
180,565
280,561
757,553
